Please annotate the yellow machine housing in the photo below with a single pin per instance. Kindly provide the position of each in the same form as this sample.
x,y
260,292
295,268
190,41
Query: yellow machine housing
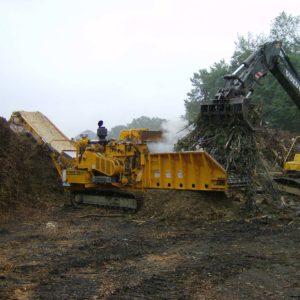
x,y
292,166
289,180
194,170
128,164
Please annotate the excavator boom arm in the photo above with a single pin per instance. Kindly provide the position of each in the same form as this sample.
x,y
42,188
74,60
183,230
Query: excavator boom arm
x,y
287,76
238,86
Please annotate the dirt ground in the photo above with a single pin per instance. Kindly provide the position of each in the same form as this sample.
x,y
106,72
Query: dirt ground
x,y
70,253
180,245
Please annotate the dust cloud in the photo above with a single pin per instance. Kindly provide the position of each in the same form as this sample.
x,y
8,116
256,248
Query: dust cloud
x,y
173,130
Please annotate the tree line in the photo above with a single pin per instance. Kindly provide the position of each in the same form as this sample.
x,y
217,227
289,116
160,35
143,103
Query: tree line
x,y
141,122
278,109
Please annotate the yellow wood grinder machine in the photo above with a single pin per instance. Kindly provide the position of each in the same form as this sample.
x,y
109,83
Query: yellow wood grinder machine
x,y
114,172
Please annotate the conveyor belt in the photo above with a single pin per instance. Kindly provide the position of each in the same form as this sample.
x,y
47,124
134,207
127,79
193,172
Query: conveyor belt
x,y
43,130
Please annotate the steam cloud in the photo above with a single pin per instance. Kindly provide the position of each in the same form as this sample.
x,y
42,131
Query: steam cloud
x,y
173,130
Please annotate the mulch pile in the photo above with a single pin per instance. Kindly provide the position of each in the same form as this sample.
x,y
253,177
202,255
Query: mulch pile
x,y
28,178
177,205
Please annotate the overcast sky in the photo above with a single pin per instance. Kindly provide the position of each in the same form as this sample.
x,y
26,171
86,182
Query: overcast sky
x,y
81,61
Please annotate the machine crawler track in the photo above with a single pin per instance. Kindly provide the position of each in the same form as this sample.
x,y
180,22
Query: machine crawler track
x,y
130,202
288,184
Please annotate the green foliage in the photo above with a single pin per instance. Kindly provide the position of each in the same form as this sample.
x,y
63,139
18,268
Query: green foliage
x,y
286,28
141,122
244,46
205,85
278,109
146,122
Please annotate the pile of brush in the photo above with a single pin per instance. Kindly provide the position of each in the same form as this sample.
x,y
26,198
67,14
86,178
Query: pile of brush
x,y
242,151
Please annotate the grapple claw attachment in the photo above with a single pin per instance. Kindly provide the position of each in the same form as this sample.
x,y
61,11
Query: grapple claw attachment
x,y
225,109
